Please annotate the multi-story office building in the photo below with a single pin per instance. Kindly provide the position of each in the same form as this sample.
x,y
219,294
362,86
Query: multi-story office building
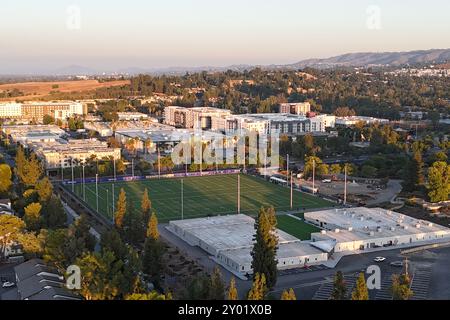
x,y
37,110
64,153
236,123
193,117
294,124
10,110
301,108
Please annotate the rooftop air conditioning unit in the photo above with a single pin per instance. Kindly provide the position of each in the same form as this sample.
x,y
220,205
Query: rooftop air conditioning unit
x,y
430,224
323,232
350,229
336,230
405,227
379,229
371,233
418,225
353,215
361,219
392,228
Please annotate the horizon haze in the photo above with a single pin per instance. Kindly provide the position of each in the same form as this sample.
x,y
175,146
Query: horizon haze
x,y
44,37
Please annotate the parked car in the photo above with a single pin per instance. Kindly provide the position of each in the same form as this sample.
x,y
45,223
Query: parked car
x,y
8,284
379,259
397,264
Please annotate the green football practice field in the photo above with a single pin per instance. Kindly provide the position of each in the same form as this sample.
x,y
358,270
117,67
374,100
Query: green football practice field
x,y
202,196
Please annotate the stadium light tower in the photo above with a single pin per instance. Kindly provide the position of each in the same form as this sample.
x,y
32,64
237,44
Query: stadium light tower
x,y
96,189
345,184
113,204
107,202
287,167
239,194
182,200
114,165
314,176
292,189
159,161
84,186
73,180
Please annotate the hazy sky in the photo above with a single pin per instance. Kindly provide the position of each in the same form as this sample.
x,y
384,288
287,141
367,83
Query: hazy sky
x,y
45,34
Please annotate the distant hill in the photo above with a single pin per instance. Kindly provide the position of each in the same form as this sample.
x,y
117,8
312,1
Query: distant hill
x,y
377,59
363,59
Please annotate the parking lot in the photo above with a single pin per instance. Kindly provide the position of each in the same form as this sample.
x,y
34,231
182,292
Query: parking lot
x,y
6,274
428,270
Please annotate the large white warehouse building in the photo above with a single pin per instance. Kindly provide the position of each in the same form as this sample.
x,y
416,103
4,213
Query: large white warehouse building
x,y
359,229
229,240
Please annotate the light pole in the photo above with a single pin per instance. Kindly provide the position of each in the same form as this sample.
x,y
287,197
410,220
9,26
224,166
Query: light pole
x,y
287,167
96,190
113,203
239,195
132,167
292,188
71,164
84,186
345,184
159,161
107,202
114,165
314,176
182,200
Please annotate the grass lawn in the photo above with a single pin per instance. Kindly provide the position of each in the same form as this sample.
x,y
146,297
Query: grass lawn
x,y
295,227
203,196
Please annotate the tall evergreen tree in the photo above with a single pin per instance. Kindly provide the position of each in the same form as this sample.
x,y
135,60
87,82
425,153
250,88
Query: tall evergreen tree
x,y
152,260
152,228
20,162
439,181
265,246
232,293
133,228
146,206
360,292
53,214
121,208
5,178
44,188
339,287
217,287
32,216
32,171
401,287
288,295
418,168
259,288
